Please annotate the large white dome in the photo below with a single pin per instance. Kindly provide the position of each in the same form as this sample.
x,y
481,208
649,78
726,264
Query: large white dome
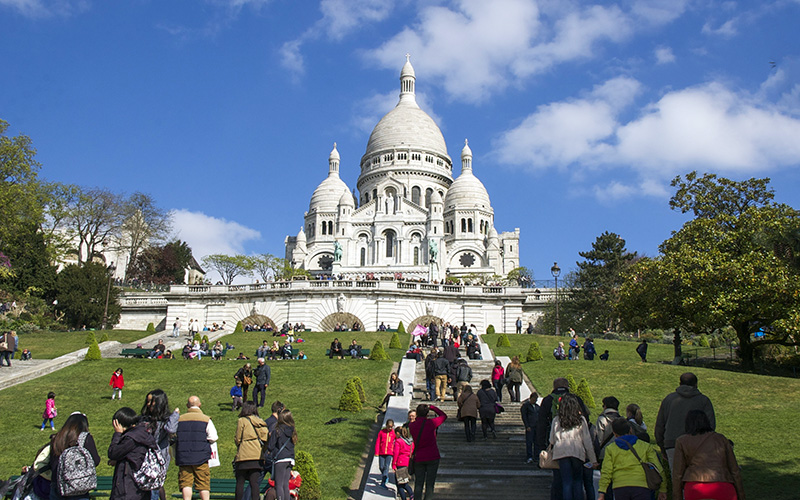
x,y
327,195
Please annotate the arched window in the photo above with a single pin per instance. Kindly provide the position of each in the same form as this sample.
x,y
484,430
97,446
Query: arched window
x,y
415,194
469,225
363,257
428,194
324,227
330,227
374,193
463,225
416,256
390,239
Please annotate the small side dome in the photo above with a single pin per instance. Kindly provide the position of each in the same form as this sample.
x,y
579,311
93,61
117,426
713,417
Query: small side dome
x,y
346,200
436,197
301,236
492,233
466,152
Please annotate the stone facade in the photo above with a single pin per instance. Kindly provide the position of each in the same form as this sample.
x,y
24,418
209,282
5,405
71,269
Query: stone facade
x,y
411,218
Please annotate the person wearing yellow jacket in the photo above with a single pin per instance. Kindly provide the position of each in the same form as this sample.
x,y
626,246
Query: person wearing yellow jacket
x,y
622,468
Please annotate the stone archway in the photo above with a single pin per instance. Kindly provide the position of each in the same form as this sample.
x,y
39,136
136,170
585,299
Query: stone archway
x,y
425,321
329,323
258,320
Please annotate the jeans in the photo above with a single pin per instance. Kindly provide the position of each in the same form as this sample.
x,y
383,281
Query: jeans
x,y
555,486
6,355
246,493
571,478
425,478
385,463
251,476
588,484
632,493
470,427
529,438
261,390
430,386
498,388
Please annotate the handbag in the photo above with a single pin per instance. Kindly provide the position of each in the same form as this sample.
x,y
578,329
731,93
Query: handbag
x,y
546,459
458,416
411,468
498,408
269,460
401,475
651,473
247,380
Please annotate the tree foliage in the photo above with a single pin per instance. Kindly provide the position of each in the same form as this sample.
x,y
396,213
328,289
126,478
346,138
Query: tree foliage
x,y
143,223
394,343
163,264
20,202
228,266
520,276
349,401
534,353
310,489
378,353
721,269
93,353
81,294
596,284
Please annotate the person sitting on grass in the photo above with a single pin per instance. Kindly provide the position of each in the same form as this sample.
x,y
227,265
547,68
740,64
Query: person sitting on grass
x,y
216,352
263,351
242,356
26,355
301,355
604,356
286,350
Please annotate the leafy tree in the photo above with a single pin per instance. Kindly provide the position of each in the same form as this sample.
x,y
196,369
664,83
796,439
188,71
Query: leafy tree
x,y
151,328
490,330
163,264
401,330
357,382
239,327
20,203
283,270
521,276
143,223
573,385
597,282
95,217
265,265
585,393
723,264
58,200
81,295
228,266
29,260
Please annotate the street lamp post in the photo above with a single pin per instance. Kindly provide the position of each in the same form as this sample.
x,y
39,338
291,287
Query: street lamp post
x,y
110,270
555,271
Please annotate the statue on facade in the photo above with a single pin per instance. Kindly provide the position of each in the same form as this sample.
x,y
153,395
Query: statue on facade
x,y
337,251
340,303
433,250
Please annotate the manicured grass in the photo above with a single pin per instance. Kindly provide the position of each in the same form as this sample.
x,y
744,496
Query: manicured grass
x,y
310,388
758,413
49,345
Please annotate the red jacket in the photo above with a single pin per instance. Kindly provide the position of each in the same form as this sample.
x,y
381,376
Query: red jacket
x,y
498,373
402,453
384,445
425,444
117,382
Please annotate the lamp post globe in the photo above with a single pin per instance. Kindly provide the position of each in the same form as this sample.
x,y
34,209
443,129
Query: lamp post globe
x,y
556,271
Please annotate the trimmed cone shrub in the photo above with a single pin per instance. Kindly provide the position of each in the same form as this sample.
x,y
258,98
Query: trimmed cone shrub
x,y
395,342
360,388
502,341
573,385
90,338
205,339
104,337
534,353
240,329
585,393
401,329
151,328
197,337
350,400
304,464
94,352
378,352
490,329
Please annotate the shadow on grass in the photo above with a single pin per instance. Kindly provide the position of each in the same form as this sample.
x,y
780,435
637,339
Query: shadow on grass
x,y
772,477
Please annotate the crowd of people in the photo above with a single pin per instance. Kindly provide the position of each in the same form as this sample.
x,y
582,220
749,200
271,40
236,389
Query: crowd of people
x,y
64,468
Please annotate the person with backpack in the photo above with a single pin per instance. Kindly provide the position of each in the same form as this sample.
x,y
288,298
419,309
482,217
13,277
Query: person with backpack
x,y
73,460
602,427
128,450
623,466
161,424
514,377
634,415
462,377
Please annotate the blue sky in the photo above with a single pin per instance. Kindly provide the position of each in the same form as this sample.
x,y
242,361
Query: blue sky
x,y
578,113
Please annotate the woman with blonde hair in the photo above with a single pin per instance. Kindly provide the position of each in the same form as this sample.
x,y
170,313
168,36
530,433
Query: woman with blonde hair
x,y
634,415
514,378
572,446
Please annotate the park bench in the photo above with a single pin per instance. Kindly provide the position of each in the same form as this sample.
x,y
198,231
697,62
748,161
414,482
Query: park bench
x,y
138,352
346,353
295,351
103,489
223,489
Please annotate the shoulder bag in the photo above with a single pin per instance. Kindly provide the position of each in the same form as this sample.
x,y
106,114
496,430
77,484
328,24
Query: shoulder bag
x,y
651,473
411,468
546,459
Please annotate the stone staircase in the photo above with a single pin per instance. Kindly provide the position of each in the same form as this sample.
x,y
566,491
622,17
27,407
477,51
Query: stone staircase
x,y
485,468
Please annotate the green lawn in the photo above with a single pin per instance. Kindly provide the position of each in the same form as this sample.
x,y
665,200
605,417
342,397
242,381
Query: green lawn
x,y
758,413
49,345
310,388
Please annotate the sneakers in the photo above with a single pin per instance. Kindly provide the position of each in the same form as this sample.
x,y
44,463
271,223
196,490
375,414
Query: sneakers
x,y
529,461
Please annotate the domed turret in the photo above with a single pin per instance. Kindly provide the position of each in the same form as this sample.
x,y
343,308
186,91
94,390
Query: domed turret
x,y
327,195
347,200
467,191
301,236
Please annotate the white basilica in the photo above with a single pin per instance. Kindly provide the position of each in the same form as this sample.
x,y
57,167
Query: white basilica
x,y
410,219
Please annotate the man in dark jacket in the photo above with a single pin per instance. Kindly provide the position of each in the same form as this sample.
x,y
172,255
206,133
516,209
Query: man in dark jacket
x,y
547,411
451,353
671,420
530,419
462,377
263,375
195,434
441,369
430,375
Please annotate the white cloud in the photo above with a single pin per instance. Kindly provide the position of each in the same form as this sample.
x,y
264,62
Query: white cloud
x,y
562,133
208,235
726,29
45,8
658,11
664,55
341,17
292,58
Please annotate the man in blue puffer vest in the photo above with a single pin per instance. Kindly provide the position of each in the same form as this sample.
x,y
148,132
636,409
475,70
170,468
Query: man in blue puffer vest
x,y
195,434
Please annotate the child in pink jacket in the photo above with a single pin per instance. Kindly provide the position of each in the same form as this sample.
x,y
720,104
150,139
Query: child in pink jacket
x,y
403,448
50,411
384,447
117,383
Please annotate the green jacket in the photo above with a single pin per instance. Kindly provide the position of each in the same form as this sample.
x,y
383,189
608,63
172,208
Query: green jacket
x,y
621,466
